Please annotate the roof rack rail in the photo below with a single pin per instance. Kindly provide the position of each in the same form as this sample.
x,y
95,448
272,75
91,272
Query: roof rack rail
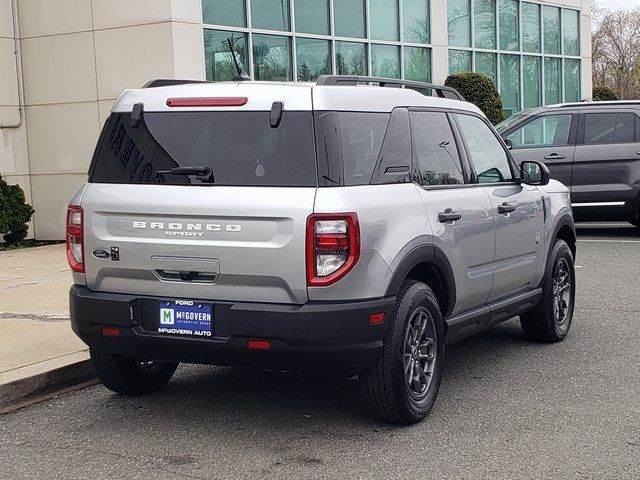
x,y
440,90
166,82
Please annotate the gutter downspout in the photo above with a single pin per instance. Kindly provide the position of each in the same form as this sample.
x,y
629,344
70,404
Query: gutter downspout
x,y
16,53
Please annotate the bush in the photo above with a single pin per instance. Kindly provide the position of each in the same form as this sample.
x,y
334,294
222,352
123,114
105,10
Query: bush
x,y
602,93
15,213
479,90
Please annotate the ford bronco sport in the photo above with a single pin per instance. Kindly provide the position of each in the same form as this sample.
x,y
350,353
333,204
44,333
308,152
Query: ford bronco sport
x,y
340,226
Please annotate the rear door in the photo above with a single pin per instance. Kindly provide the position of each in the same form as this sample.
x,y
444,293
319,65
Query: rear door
x,y
238,238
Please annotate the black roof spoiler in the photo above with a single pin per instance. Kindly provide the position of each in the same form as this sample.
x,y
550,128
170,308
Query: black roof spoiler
x,y
167,82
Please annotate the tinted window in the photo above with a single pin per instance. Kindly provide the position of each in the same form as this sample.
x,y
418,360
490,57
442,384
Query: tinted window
x,y
609,128
549,130
394,162
438,162
485,151
240,147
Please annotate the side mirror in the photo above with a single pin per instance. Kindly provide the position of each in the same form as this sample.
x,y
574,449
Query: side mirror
x,y
534,173
508,143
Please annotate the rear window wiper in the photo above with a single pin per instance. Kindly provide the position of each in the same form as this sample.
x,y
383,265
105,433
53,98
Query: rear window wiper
x,y
201,172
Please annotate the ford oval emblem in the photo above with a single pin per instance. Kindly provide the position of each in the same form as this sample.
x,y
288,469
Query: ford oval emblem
x,y
101,253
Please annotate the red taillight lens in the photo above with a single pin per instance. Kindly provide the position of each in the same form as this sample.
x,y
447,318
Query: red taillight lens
x,y
258,344
207,102
75,238
333,247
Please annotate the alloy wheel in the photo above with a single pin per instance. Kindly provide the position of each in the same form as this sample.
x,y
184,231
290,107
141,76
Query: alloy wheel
x,y
419,354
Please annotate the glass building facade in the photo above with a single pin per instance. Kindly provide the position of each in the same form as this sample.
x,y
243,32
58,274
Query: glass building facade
x,y
529,49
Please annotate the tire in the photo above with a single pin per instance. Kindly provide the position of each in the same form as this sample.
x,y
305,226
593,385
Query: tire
x,y
129,376
550,321
386,388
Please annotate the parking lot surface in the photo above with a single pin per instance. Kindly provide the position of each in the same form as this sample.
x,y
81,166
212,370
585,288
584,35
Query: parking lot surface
x,y
507,408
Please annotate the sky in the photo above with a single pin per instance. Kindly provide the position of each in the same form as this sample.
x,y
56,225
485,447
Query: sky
x,y
618,4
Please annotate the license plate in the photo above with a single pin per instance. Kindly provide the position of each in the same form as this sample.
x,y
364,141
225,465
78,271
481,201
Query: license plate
x,y
185,317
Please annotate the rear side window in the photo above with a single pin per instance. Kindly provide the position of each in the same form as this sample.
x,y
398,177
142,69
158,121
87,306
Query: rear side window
x,y
602,128
240,147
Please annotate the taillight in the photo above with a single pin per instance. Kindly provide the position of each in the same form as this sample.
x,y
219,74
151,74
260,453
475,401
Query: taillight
x,y
75,238
333,247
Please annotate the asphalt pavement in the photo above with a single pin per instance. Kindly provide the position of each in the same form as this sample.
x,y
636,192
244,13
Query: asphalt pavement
x,y
507,408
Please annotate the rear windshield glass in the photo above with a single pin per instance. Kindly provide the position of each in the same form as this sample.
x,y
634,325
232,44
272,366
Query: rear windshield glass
x,y
241,148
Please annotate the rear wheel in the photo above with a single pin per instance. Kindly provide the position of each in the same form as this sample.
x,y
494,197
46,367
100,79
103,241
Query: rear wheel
x,y
130,376
401,387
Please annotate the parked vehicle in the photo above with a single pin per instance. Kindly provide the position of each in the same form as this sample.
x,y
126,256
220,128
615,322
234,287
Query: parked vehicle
x,y
338,226
592,147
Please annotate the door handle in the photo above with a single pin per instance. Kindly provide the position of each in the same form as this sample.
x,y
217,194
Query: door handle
x,y
506,208
449,216
555,156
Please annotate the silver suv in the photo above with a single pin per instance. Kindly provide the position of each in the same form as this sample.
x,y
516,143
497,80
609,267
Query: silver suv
x,y
340,226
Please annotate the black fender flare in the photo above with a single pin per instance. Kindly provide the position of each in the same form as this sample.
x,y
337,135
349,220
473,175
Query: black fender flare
x,y
565,221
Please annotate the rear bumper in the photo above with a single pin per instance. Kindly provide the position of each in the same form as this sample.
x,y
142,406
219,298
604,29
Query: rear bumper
x,y
315,337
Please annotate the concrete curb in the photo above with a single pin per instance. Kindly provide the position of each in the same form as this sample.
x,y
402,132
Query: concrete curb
x,y
34,383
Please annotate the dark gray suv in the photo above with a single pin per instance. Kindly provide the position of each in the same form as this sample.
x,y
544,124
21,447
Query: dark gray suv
x,y
591,147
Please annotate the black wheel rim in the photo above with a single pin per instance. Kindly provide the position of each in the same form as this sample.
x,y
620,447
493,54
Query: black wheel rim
x,y
420,351
561,291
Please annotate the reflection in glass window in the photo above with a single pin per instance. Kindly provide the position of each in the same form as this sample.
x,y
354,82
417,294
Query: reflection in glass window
x,y
552,84
485,151
570,25
385,61
459,23
546,131
218,61
438,162
530,27
486,64
383,18
484,23
459,61
351,58
415,15
417,64
532,76
551,30
348,18
313,58
270,15
571,80
312,16
224,12
602,128
271,57
510,83
508,11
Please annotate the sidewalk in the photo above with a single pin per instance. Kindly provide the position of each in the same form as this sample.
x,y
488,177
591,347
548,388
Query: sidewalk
x,y
39,354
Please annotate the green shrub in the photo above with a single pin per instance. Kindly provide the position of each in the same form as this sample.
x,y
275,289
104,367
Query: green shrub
x,y
479,90
602,93
15,213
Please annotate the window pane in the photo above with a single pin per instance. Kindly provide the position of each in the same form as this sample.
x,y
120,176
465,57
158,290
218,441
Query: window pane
x,y
459,23
530,27
438,162
510,83
532,72
351,58
551,30
417,64
312,16
459,61
394,162
313,58
508,24
552,81
570,24
550,130
415,15
384,19
486,64
271,57
361,135
485,151
270,14
609,128
217,57
224,12
484,23
571,80
348,18
385,61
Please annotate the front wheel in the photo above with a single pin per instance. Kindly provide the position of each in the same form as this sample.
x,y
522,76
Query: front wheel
x,y
401,387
